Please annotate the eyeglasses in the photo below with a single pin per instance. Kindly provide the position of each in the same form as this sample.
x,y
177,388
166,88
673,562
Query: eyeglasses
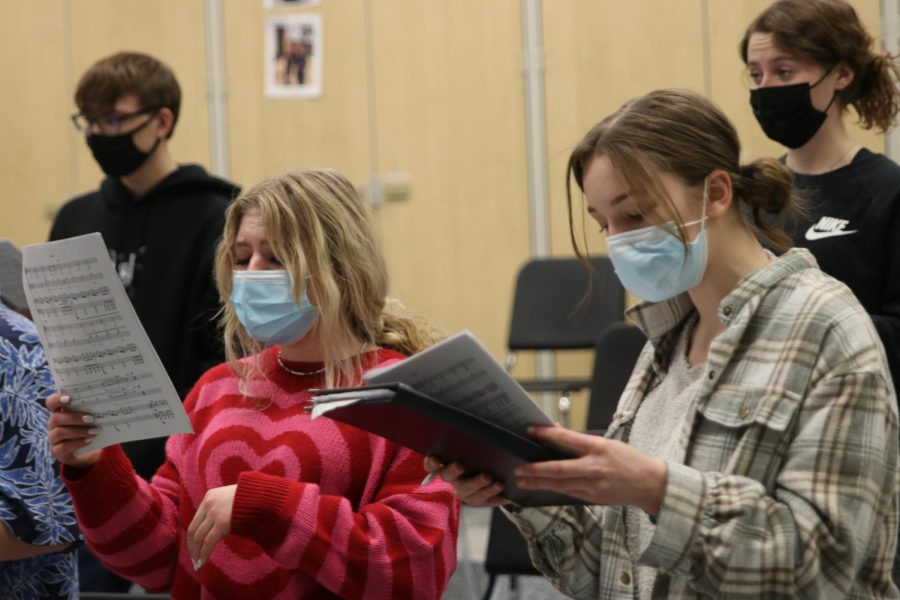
x,y
108,124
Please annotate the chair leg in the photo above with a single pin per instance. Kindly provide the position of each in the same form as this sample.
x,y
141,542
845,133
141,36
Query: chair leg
x,y
514,586
492,579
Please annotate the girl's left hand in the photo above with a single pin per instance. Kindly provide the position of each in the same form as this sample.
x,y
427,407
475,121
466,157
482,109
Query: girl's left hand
x,y
605,471
211,523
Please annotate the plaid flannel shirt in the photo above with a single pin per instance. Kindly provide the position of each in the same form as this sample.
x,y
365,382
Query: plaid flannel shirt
x,y
789,485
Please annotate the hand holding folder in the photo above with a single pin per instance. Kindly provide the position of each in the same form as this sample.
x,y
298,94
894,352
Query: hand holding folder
x,y
473,413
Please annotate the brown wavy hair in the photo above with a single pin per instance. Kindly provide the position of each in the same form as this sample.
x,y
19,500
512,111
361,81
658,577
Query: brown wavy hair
x,y
150,80
829,32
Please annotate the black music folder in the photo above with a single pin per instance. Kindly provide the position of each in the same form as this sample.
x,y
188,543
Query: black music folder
x,y
412,419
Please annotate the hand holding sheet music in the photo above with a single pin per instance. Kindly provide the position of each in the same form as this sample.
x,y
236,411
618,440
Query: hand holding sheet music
x,y
96,348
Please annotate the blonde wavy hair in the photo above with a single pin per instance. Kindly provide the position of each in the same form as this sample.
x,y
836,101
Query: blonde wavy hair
x,y
319,228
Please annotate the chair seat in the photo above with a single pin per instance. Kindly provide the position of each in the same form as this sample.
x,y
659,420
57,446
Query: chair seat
x,y
554,385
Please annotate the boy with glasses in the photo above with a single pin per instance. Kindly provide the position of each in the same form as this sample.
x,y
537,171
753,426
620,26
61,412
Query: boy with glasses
x,y
160,220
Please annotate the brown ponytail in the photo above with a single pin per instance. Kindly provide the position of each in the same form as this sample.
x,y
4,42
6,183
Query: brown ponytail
x,y
876,97
769,200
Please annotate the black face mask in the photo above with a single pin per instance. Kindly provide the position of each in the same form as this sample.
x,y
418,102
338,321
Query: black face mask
x,y
117,155
786,113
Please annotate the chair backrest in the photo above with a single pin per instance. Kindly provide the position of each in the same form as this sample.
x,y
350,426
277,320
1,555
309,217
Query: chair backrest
x,y
615,353
550,309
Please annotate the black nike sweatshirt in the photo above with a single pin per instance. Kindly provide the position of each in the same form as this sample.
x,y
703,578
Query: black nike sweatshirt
x,y
162,244
854,233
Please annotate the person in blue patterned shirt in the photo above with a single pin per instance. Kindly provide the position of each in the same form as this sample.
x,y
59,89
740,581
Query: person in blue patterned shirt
x,y
37,541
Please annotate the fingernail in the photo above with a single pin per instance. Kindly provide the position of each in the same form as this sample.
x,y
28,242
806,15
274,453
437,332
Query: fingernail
x,y
88,440
93,431
87,419
198,562
64,400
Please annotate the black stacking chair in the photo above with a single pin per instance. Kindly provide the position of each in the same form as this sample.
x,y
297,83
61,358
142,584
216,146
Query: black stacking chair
x,y
506,554
615,353
553,312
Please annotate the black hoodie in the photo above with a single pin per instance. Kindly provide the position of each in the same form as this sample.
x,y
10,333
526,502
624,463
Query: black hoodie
x,y
852,231
162,244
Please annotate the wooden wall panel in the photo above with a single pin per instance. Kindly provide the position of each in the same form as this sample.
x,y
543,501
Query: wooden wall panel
x,y
34,156
271,136
599,55
450,114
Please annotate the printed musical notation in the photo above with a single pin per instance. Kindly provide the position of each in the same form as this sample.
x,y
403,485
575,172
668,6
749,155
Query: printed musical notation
x,y
96,348
99,367
462,373
71,335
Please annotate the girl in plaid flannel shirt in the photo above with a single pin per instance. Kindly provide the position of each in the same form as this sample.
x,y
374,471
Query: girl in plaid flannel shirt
x,y
754,452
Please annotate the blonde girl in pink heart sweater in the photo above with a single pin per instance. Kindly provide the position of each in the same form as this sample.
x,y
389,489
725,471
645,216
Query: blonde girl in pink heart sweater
x,y
261,502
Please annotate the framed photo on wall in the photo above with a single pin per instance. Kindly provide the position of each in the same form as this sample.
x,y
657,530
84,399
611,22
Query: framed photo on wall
x,y
293,56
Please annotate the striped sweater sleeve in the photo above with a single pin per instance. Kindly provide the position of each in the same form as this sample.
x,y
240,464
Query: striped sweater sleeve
x,y
398,545
115,507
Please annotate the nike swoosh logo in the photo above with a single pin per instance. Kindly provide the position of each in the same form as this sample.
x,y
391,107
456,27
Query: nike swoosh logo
x,y
812,234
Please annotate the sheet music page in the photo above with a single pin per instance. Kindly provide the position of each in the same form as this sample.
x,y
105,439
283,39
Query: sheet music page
x,y
11,275
97,350
462,373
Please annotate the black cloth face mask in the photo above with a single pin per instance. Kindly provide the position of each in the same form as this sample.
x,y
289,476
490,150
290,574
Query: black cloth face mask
x,y
118,155
786,113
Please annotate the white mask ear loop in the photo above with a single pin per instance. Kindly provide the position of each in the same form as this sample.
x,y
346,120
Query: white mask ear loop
x,y
705,202
702,218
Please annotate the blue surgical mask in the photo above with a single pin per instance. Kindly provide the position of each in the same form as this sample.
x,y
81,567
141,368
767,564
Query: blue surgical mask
x,y
654,264
265,306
